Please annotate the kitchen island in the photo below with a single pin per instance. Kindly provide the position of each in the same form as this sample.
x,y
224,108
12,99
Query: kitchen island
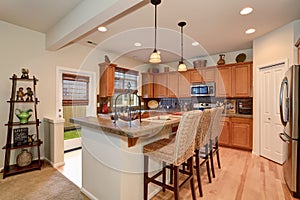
x,y
112,155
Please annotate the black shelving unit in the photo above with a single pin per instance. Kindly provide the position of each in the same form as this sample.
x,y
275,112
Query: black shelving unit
x,y
11,169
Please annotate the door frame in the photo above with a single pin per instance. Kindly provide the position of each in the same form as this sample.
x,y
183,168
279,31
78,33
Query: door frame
x,y
257,102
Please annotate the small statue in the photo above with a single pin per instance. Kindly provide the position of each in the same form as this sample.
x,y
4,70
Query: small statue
x,y
29,94
30,139
106,58
20,94
25,73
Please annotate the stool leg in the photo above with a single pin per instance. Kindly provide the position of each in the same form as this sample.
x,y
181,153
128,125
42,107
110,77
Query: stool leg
x,y
217,152
176,183
208,170
198,173
171,174
212,163
190,161
164,176
146,162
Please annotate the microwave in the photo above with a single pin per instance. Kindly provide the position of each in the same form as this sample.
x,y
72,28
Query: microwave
x,y
204,89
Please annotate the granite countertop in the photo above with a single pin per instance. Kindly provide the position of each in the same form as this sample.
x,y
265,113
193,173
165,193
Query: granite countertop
x,y
137,129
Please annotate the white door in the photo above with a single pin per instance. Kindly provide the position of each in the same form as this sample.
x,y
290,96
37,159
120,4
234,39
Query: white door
x,y
270,125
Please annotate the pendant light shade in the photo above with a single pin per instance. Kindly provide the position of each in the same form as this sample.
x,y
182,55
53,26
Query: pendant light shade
x,y
181,66
155,57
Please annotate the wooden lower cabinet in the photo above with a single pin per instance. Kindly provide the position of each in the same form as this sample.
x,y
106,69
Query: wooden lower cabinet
x,y
236,132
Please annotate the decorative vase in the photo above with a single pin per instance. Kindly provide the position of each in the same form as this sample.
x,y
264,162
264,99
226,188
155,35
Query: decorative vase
x,y
24,158
105,108
221,60
23,115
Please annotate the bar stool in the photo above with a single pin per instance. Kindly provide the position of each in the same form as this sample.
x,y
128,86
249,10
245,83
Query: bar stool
x,y
174,152
214,140
202,145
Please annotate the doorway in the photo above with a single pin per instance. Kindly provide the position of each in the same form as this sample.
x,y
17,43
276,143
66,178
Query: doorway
x,y
75,98
271,146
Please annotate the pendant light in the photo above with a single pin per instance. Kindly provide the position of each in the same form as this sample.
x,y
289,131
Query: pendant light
x,y
155,57
181,66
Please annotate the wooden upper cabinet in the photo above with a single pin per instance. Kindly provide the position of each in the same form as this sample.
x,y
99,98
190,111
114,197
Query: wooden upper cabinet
x,y
173,78
160,85
242,80
234,80
208,74
107,79
195,76
184,84
223,81
147,85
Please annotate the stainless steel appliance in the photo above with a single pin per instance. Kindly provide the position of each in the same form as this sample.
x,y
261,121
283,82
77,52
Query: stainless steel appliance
x,y
289,114
244,106
204,89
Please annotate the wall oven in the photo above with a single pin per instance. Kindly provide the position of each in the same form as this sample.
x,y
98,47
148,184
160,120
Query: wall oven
x,y
203,89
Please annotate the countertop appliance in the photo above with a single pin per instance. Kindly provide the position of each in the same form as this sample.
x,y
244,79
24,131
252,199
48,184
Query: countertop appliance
x,y
203,89
289,114
202,106
244,106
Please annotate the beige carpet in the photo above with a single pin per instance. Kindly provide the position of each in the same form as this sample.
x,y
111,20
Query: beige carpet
x,y
45,184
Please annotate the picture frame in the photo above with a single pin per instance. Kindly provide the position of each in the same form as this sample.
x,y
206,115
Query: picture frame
x,y
230,106
20,136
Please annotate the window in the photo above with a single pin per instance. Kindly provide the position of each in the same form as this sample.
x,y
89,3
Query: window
x,y
75,90
122,78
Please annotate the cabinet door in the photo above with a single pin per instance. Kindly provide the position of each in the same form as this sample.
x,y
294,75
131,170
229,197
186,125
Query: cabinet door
x,y
208,74
107,80
241,133
173,84
160,85
184,84
147,85
195,76
223,82
241,80
224,138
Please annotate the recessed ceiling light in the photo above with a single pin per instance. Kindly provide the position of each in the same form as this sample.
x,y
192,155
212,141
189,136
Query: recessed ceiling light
x,y
250,30
246,11
102,29
137,44
195,44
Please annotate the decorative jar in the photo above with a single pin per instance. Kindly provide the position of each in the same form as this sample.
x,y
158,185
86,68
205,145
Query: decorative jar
x,y
24,158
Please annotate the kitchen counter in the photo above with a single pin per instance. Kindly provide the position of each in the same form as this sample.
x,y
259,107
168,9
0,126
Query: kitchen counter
x,y
238,115
112,155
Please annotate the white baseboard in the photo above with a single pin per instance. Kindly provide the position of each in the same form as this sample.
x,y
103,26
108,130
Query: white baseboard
x,y
88,194
54,164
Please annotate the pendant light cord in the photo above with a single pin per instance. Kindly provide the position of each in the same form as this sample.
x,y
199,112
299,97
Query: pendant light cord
x,y
155,25
181,43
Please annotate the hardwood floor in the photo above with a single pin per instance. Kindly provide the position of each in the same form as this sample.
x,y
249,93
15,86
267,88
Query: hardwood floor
x,y
242,176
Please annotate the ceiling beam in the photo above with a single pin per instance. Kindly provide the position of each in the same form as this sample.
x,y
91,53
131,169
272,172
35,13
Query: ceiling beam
x,y
86,17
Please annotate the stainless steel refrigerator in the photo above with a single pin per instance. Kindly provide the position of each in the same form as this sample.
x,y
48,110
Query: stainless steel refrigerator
x,y
289,114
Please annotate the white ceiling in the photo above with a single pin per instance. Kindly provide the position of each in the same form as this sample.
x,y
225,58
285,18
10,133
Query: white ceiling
x,y
215,24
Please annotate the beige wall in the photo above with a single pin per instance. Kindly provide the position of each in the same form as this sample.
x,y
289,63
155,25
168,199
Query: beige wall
x,y
271,48
21,47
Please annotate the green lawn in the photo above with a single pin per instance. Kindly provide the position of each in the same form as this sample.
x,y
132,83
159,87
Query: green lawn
x,y
72,134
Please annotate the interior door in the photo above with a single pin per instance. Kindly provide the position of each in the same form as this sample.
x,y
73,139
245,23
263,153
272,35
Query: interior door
x,y
270,123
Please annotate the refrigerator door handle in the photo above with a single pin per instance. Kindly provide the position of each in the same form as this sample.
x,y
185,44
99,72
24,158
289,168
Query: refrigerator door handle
x,y
286,139
283,83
